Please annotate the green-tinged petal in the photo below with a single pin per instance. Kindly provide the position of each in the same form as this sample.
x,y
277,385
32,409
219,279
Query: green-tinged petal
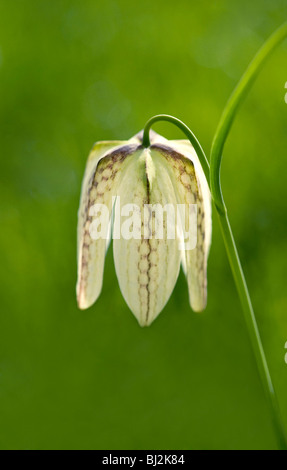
x,y
185,147
147,268
103,170
191,187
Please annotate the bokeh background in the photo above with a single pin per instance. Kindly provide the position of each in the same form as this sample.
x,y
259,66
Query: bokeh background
x,y
72,73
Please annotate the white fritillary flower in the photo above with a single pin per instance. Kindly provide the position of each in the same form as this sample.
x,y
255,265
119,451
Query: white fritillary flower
x,y
124,178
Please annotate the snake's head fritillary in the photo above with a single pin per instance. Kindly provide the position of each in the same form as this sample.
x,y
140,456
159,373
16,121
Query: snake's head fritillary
x,y
141,197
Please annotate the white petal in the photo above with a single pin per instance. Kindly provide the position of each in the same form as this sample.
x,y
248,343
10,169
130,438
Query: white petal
x,y
191,188
147,268
185,147
104,167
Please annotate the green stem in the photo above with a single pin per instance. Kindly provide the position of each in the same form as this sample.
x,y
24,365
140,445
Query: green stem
x,y
213,176
219,140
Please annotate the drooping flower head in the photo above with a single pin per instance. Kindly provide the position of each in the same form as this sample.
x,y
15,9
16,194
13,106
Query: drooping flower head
x,y
140,197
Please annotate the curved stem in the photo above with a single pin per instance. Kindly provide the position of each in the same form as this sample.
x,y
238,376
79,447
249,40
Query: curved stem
x,y
216,156
189,134
231,107
239,281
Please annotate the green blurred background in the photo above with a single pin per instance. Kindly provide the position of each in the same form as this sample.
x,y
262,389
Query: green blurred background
x,y
75,72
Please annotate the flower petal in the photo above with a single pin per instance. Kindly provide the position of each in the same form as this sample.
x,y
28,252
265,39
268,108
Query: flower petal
x,y
147,268
103,170
191,187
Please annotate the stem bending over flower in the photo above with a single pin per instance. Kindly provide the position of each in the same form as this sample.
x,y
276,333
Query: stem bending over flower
x,y
215,185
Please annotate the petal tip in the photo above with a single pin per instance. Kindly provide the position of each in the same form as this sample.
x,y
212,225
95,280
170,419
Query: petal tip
x,y
199,306
82,302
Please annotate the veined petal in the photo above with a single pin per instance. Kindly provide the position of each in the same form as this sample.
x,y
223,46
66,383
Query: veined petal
x,y
99,150
191,187
147,267
185,147
103,171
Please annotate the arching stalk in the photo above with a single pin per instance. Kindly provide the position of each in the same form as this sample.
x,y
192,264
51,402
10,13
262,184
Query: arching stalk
x,y
212,174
